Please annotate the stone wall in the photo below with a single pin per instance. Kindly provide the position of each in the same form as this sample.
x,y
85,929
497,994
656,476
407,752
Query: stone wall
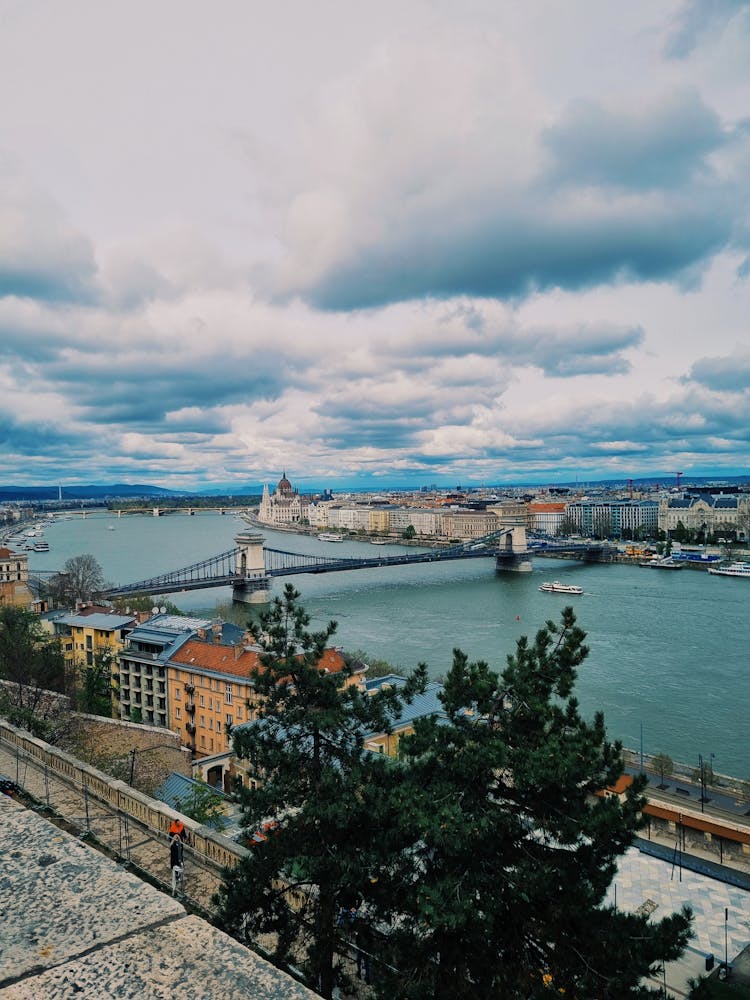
x,y
120,797
122,749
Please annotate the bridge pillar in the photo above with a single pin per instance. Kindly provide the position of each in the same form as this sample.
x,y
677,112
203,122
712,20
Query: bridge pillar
x,y
156,512
513,553
254,583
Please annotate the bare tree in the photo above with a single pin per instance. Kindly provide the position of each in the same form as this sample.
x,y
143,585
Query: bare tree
x,y
79,580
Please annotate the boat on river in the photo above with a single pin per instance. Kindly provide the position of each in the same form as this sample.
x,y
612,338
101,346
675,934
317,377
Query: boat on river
x,y
555,587
662,563
327,537
733,569
378,541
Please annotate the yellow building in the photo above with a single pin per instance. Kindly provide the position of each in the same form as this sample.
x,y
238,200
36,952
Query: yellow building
x,y
422,705
93,635
379,520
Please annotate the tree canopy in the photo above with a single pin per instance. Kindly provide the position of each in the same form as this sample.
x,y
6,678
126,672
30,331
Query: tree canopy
x,y
479,860
32,664
317,787
505,848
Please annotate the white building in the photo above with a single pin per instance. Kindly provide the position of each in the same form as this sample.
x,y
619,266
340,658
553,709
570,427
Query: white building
x,y
286,506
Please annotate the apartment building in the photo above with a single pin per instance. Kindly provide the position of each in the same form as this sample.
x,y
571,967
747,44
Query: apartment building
x,y
142,663
211,687
92,636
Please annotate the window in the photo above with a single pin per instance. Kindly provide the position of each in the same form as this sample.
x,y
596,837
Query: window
x,y
211,724
230,720
238,711
203,720
178,713
228,695
203,741
177,694
210,704
202,701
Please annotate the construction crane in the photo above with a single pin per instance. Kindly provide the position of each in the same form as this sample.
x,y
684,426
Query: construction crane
x,y
630,488
678,477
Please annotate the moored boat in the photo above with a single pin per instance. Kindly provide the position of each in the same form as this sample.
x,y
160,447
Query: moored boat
x,y
555,587
327,537
733,569
662,563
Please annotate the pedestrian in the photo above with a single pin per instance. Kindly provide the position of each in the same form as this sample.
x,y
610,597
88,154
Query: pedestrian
x,y
177,829
175,863
363,938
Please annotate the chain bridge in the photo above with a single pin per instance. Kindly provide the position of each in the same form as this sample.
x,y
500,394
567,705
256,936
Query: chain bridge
x,y
250,566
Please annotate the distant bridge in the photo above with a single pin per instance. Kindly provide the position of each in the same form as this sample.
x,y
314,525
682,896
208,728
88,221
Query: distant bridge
x,y
250,567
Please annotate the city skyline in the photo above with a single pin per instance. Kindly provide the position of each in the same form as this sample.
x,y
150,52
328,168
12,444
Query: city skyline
x,y
367,245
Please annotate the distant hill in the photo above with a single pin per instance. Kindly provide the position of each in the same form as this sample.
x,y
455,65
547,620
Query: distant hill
x,y
90,492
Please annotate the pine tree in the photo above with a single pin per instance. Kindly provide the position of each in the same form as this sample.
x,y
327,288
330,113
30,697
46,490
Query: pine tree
x,y
503,851
320,797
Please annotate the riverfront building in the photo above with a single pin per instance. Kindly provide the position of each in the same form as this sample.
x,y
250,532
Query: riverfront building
x,y
707,514
615,518
286,506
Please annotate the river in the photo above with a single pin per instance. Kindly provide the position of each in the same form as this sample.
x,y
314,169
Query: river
x,y
669,651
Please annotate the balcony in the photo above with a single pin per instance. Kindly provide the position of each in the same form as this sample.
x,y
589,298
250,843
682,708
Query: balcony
x,y
190,688
190,709
190,728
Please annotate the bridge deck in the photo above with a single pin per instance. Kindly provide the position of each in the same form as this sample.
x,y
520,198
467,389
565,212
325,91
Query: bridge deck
x,y
221,570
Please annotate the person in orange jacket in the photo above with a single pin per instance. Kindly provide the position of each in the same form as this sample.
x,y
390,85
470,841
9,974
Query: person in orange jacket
x,y
177,829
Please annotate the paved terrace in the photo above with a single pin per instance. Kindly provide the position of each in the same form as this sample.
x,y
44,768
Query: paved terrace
x,y
74,923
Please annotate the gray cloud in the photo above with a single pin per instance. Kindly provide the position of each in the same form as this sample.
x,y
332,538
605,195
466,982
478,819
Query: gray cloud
x,y
730,374
702,19
41,255
664,146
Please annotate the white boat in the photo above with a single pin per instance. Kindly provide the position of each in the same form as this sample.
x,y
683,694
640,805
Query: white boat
x,y
662,563
41,546
560,588
733,569
326,537
378,541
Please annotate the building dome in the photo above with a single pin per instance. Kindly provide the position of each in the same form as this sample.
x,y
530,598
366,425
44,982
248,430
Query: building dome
x,y
284,487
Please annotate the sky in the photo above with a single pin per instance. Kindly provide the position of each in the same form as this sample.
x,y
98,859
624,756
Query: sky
x,y
369,244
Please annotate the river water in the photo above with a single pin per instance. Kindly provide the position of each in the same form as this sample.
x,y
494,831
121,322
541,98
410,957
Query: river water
x,y
669,651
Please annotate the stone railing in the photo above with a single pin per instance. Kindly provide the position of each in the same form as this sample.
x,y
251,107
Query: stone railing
x,y
120,797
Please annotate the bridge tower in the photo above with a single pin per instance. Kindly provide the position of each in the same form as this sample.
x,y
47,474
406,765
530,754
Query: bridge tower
x,y
512,550
253,584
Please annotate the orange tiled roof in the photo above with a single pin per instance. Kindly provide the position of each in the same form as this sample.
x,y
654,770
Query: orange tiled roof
x,y
546,508
224,659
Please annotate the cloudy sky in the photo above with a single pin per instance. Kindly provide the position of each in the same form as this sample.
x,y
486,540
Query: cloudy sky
x,y
403,242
